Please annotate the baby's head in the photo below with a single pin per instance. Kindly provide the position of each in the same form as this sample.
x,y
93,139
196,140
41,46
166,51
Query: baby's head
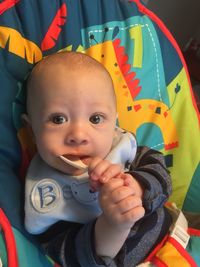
x,y
71,109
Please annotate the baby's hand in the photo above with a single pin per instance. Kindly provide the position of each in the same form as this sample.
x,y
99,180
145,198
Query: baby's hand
x,y
120,204
129,180
100,171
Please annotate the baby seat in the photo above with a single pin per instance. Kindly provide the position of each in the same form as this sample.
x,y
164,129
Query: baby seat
x,y
153,89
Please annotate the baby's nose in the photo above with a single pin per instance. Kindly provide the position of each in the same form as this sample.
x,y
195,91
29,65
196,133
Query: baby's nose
x,y
77,135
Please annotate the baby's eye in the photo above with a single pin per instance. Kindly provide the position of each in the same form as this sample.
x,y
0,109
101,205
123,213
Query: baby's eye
x,y
58,119
96,119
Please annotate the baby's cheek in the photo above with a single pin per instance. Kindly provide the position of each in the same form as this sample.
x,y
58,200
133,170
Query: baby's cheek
x,y
104,149
45,147
47,142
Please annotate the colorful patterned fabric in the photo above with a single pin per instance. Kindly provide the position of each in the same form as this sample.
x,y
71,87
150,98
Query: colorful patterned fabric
x,y
170,253
154,95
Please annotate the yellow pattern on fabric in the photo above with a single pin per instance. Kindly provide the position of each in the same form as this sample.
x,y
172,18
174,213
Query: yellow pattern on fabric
x,y
171,257
188,152
136,35
19,45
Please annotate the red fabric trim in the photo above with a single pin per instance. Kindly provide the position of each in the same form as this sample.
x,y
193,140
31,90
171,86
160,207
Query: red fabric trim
x,y
182,251
192,231
9,240
168,34
158,262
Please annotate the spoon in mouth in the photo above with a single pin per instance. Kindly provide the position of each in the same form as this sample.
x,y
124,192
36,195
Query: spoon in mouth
x,y
75,163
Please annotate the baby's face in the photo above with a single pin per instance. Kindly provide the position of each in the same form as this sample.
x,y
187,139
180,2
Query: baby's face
x,y
74,115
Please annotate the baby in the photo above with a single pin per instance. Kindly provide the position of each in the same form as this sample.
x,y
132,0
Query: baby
x,y
116,205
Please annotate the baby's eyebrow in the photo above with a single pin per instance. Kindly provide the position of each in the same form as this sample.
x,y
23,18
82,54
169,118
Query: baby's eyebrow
x,y
98,105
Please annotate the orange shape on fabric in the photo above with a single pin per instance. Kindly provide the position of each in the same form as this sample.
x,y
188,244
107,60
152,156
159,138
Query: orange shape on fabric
x,y
152,107
170,256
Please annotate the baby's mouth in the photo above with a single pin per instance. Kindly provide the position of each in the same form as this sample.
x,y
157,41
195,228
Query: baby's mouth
x,y
71,157
75,161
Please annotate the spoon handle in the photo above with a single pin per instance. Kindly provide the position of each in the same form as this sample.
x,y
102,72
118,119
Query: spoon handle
x,y
76,163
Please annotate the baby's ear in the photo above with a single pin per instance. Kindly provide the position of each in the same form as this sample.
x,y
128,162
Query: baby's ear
x,y
27,123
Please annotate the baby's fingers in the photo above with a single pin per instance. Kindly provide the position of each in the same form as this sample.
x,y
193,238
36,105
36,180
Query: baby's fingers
x,y
113,171
113,184
97,167
133,215
94,185
122,192
102,170
129,203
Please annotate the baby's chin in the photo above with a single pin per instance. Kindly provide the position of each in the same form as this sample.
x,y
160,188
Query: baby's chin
x,y
64,167
70,170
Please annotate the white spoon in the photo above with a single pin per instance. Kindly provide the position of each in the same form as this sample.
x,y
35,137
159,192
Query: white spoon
x,y
75,163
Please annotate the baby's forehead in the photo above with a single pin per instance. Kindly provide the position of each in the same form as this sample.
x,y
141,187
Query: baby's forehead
x,y
60,65
52,68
